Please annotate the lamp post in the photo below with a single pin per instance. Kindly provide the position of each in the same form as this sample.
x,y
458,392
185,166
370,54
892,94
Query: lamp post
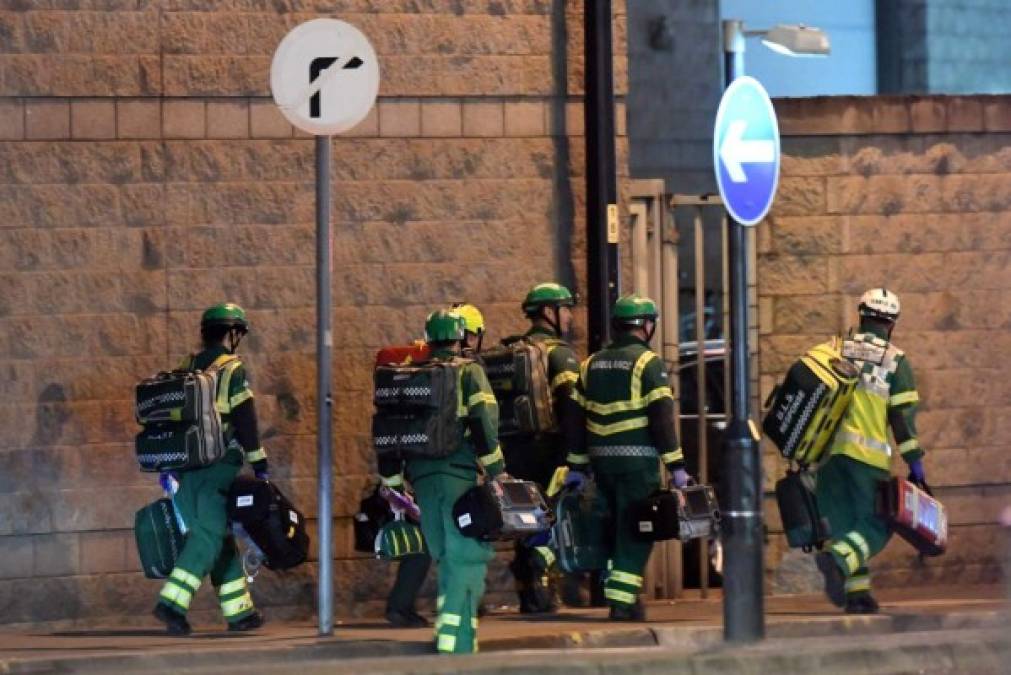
x,y
743,596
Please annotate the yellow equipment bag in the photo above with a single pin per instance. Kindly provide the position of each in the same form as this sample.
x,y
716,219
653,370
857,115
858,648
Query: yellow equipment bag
x,y
807,407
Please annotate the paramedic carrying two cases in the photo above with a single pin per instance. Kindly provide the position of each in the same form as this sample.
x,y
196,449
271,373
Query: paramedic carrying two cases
x,y
438,483
201,497
860,455
628,407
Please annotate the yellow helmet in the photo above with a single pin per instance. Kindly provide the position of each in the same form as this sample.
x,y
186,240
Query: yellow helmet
x,y
472,317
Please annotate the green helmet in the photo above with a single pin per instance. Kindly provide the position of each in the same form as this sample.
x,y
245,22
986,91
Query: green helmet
x,y
444,325
634,310
547,294
399,538
225,314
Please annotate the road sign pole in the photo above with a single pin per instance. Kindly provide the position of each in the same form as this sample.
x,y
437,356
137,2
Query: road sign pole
x,y
324,400
324,78
743,593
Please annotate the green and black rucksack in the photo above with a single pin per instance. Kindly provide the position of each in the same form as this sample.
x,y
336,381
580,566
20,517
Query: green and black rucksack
x,y
419,409
517,370
180,411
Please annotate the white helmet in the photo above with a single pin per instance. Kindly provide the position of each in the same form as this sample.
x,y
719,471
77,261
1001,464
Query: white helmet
x,y
879,303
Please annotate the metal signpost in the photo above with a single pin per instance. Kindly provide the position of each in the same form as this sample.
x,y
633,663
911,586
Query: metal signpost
x,y
746,160
324,78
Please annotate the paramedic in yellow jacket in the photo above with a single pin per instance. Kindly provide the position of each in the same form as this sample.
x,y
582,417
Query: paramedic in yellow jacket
x,y
861,454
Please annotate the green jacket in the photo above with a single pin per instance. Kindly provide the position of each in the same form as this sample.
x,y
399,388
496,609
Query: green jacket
x,y
234,401
628,406
478,446
885,397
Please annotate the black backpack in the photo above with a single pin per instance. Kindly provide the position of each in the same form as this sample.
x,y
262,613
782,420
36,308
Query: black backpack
x,y
418,409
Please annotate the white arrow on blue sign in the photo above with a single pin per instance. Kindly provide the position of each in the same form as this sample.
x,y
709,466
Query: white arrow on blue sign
x,y
746,150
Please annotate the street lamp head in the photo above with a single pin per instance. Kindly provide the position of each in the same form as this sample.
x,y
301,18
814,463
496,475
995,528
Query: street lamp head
x,y
797,40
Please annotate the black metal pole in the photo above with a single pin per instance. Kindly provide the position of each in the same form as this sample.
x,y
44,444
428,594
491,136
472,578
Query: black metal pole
x,y
743,573
602,268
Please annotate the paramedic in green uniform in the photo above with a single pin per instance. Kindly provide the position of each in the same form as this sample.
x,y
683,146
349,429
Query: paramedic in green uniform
x,y
462,562
548,307
202,494
860,454
628,406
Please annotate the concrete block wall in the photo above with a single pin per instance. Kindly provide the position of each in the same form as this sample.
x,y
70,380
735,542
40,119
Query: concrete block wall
x,y
913,194
145,174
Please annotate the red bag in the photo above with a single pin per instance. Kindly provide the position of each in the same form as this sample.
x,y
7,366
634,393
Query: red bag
x,y
914,514
417,352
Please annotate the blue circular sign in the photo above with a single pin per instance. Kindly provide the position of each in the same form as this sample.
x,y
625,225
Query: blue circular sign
x,y
746,150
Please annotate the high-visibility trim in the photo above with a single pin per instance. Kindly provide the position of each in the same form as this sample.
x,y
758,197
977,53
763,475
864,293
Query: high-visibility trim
x,y
240,398
574,458
232,586
492,457
547,555
479,398
617,427
473,623
584,368
858,539
564,377
849,556
908,446
625,578
858,584
176,594
225,381
578,397
256,455
637,403
673,456
439,602
637,370
622,451
848,436
450,620
446,643
624,597
179,574
392,481
239,605
904,398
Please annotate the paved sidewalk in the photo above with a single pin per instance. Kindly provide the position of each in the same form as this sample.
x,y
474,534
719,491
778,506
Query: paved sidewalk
x,y
687,627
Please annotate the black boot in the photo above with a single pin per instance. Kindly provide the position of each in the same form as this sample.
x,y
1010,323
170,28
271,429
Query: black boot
x,y
861,603
634,612
399,618
175,622
597,597
251,622
835,582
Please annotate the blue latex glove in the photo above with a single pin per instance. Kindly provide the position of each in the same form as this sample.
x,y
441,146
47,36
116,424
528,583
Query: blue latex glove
x,y
169,482
260,470
680,479
916,473
575,480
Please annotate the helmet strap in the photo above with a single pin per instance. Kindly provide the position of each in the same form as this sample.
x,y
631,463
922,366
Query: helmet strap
x,y
556,321
234,338
651,331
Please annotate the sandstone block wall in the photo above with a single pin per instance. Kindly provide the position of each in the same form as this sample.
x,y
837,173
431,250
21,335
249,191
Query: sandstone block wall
x,y
913,194
145,174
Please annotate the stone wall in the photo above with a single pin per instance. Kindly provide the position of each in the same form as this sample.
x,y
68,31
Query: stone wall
x,y
145,174
913,194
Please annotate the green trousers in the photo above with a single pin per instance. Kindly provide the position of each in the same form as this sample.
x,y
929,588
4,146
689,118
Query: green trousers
x,y
208,548
411,573
629,555
845,493
462,562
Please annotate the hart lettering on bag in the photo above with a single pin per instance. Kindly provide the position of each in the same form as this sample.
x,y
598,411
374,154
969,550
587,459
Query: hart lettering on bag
x,y
464,520
645,526
244,501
